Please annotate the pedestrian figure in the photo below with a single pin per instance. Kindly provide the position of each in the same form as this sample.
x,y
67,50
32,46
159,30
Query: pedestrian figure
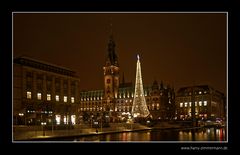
x,y
96,130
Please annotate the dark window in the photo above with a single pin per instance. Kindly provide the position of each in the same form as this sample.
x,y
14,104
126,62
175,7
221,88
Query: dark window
x,y
57,85
49,83
108,80
29,74
73,88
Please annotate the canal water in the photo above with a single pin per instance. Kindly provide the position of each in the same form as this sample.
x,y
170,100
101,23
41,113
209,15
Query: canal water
x,y
203,134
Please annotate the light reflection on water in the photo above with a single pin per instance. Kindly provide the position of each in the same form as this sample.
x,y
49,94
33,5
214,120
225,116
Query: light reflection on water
x,y
204,134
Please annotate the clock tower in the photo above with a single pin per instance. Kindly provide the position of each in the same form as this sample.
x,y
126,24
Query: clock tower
x,y
111,76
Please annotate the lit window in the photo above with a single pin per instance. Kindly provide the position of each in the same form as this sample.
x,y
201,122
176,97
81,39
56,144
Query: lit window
x,y
195,103
29,95
200,92
73,119
72,99
39,96
58,118
48,97
200,103
205,103
181,104
57,98
65,121
185,104
190,104
65,99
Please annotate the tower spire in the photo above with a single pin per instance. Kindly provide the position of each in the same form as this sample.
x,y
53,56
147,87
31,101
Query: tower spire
x,y
112,58
111,27
139,108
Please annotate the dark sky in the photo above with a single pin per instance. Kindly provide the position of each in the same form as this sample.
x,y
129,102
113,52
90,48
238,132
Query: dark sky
x,y
182,49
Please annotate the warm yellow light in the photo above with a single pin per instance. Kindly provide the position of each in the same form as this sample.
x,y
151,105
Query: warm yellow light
x,y
21,114
57,98
65,99
72,99
39,96
48,97
29,95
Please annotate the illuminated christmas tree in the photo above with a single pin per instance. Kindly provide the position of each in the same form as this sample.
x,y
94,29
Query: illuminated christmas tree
x,y
139,108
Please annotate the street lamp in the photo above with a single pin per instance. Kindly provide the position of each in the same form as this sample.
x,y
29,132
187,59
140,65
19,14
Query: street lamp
x,y
43,127
91,120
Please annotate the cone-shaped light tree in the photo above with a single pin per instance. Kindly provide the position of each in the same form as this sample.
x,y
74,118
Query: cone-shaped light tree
x,y
139,108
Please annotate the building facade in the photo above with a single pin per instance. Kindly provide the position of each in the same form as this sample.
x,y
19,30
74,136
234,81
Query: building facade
x,y
116,100
203,100
44,93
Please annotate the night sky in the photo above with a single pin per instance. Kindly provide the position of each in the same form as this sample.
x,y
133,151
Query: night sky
x,y
181,49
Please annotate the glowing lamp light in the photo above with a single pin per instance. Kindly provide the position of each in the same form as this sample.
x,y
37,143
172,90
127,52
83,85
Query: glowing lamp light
x,y
20,114
43,123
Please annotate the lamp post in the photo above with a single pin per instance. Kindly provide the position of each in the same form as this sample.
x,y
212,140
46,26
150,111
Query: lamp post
x,y
43,127
52,121
43,124
91,120
101,122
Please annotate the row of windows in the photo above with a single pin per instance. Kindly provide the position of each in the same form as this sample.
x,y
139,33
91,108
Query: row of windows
x,y
100,98
200,109
186,104
65,119
187,116
49,97
124,96
92,109
123,101
40,83
122,109
153,108
199,92
91,98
